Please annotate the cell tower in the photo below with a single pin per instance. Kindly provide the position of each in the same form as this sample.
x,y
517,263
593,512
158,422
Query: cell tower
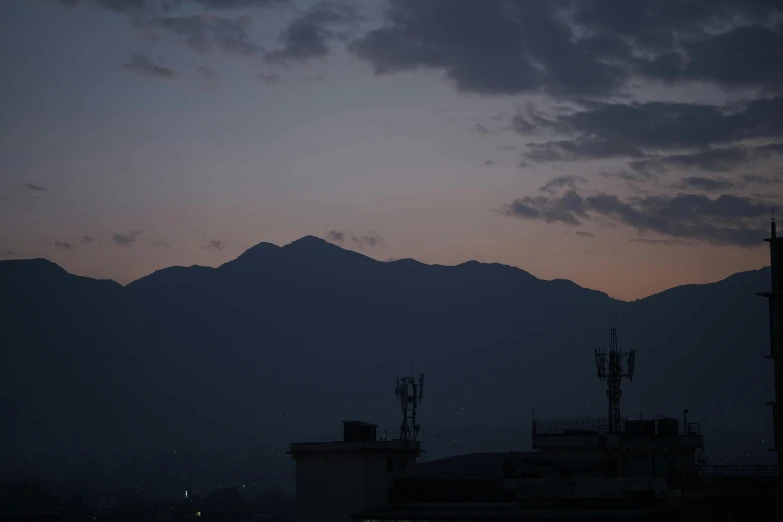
x,y
409,394
609,366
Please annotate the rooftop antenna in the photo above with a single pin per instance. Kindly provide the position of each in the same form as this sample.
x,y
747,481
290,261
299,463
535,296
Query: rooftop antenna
x,y
609,367
409,394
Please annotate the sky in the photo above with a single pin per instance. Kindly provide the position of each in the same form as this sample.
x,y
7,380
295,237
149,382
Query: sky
x,y
627,146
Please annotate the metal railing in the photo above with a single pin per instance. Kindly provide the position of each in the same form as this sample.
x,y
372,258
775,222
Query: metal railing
x,y
754,471
692,428
562,426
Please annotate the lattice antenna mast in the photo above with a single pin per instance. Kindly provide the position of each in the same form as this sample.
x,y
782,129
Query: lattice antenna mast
x,y
609,367
409,393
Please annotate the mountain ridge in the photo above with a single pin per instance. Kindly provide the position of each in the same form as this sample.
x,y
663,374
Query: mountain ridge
x,y
279,344
264,250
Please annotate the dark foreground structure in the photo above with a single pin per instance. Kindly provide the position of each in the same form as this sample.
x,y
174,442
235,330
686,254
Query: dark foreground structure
x,y
590,469
647,471
776,348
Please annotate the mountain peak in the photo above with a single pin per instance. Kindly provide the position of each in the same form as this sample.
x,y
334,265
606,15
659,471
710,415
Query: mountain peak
x,y
312,245
308,241
261,249
36,265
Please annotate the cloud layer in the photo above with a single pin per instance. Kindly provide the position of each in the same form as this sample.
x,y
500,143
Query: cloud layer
x,y
371,239
724,220
591,48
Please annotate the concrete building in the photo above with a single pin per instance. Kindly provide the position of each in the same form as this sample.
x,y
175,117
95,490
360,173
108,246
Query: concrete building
x,y
337,479
362,478
656,448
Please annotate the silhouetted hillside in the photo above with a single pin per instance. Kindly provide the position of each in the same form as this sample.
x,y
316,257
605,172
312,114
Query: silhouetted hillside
x,y
282,342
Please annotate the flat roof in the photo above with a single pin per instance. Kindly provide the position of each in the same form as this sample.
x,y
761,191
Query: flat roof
x,y
511,511
468,466
339,446
360,423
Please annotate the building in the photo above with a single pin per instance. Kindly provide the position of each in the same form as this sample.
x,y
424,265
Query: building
x,y
633,474
599,469
337,479
656,448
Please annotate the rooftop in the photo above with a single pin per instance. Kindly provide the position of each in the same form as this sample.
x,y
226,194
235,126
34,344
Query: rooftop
x,y
375,446
360,424
495,511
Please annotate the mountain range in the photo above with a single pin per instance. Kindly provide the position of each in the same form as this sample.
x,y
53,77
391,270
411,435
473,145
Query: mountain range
x,y
282,343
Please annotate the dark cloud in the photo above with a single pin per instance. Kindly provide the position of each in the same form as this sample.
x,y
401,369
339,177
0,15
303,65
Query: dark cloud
x,y
310,79
268,78
579,149
560,182
237,4
650,241
631,177
514,47
10,253
35,188
653,135
480,129
307,36
727,219
65,3
206,73
584,234
145,66
370,240
728,42
753,179
709,160
591,48
717,160
159,243
125,240
204,32
124,6
86,239
563,209
577,49
335,236
707,184
489,162
136,6
121,6
605,130
64,246
214,244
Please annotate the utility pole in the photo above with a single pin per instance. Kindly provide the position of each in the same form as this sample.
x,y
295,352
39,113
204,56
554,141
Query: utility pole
x,y
776,348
